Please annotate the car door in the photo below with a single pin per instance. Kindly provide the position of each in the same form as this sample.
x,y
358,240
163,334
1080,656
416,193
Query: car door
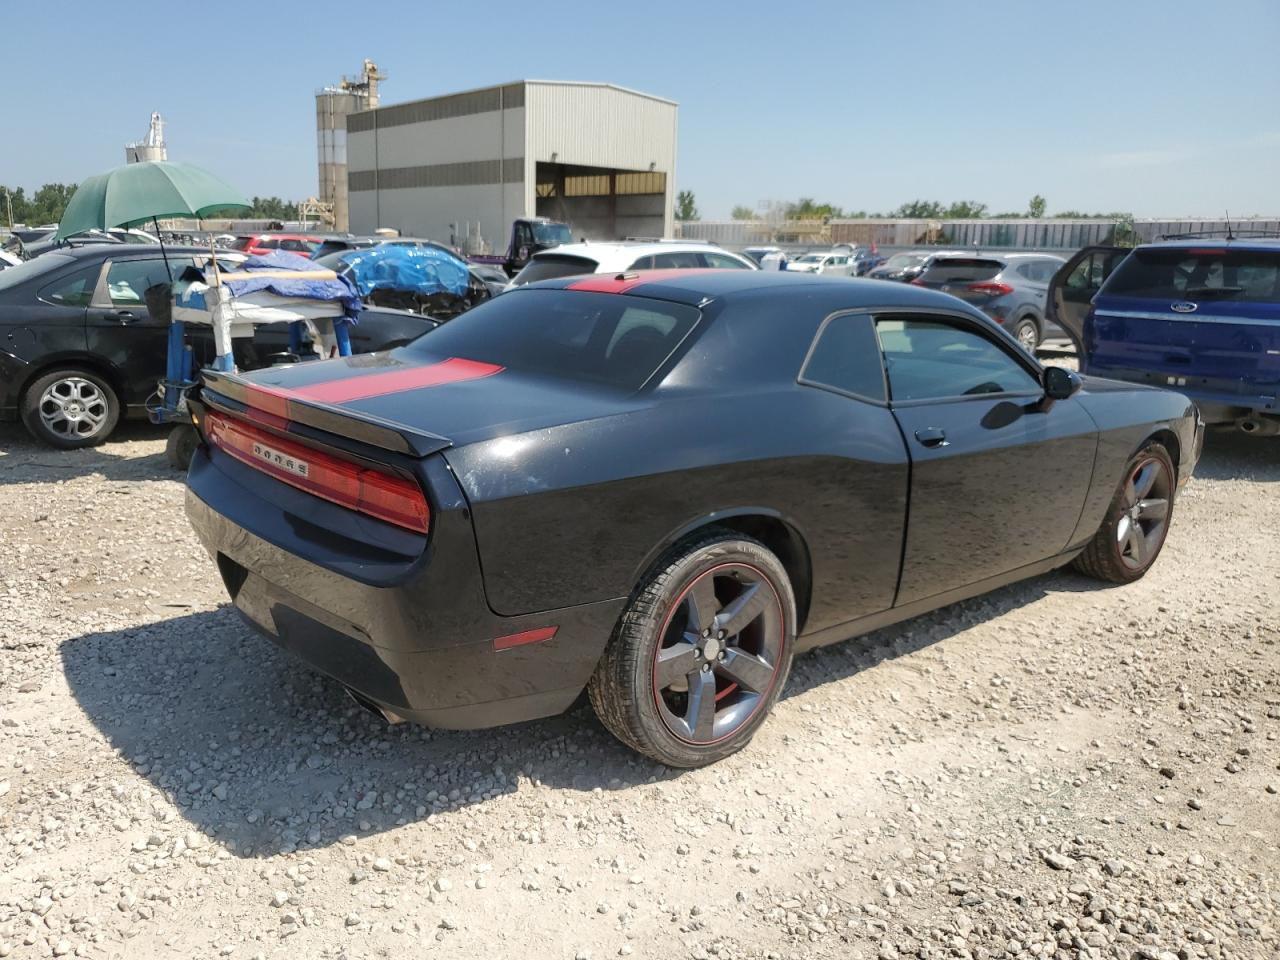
x,y
121,330
998,475
1072,290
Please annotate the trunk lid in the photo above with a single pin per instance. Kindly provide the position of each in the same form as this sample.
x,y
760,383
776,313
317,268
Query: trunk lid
x,y
1233,347
415,403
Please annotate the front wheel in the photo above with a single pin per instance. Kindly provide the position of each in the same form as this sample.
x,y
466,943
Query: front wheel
x,y
701,652
1137,522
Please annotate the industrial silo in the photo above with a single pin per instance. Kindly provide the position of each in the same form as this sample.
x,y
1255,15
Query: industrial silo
x,y
333,104
150,147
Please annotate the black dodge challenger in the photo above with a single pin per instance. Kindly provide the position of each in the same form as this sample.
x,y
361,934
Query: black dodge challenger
x,y
661,487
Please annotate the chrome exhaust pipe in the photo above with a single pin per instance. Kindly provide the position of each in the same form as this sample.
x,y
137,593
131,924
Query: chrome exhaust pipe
x,y
365,703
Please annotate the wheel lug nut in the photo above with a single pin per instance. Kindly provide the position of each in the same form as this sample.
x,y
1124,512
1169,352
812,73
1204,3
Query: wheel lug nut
x,y
720,635
720,656
706,632
706,668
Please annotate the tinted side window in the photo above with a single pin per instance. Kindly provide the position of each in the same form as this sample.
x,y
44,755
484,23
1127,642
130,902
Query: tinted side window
x,y
930,359
683,260
722,262
846,357
75,290
128,280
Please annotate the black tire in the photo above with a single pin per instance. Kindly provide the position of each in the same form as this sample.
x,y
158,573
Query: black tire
x,y
625,691
47,408
1027,332
181,445
1109,555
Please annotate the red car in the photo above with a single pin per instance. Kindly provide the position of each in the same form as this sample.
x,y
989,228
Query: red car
x,y
260,243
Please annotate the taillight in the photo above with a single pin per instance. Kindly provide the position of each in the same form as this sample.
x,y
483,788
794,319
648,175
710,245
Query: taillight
x,y
372,492
991,288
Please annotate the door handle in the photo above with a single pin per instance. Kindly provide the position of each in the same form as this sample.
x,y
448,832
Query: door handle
x,y
124,316
932,437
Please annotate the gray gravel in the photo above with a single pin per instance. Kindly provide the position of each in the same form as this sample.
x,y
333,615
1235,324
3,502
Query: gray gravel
x,y
1056,770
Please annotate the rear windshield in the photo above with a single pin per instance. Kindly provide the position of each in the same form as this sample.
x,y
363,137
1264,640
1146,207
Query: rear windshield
x,y
961,270
601,338
552,266
1190,274
34,267
241,243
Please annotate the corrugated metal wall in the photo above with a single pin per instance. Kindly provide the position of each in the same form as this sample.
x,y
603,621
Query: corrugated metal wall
x,y
601,126
1043,234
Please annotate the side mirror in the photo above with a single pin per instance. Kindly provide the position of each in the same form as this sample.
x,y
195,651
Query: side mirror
x,y
1060,383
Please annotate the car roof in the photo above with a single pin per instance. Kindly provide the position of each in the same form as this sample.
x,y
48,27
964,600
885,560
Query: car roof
x,y
597,251
1269,244
698,287
90,250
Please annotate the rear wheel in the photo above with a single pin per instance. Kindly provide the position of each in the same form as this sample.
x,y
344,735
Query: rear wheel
x,y
1027,333
1137,523
70,408
701,652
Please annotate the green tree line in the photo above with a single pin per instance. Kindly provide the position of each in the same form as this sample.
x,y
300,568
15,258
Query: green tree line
x,y
807,208
47,204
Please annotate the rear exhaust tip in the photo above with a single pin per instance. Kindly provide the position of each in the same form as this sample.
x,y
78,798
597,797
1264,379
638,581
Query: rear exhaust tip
x,y
1259,427
366,704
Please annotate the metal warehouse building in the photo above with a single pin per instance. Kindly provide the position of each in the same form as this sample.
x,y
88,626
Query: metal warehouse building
x,y
462,167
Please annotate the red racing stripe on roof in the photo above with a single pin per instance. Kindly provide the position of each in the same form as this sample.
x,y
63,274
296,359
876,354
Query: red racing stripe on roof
x,y
624,282
453,370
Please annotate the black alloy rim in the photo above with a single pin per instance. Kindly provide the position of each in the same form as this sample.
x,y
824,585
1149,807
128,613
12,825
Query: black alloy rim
x,y
1144,516
718,655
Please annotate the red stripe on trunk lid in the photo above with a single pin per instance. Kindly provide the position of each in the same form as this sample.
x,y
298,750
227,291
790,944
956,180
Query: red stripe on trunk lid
x,y
453,370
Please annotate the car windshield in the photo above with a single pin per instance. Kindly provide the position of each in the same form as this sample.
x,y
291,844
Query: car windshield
x,y
552,233
12,276
553,266
599,338
901,261
961,270
1198,274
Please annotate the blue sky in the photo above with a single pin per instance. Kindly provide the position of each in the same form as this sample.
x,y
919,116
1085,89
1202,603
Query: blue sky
x,y
1155,106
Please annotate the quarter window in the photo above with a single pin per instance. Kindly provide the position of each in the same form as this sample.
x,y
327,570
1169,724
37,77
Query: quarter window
x,y
846,357
931,359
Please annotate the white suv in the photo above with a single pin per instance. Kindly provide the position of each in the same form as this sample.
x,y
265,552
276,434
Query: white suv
x,y
628,256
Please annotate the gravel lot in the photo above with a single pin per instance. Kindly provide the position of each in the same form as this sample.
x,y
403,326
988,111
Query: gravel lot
x,y
1055,770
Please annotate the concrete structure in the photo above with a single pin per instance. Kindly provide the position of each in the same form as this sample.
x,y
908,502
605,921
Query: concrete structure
x,y
333,105
460,168
150,147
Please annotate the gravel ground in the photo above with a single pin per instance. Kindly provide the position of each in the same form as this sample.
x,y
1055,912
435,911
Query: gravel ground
x,y
1055,770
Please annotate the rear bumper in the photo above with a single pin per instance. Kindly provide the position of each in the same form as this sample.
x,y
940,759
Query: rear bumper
x,y
1216,405
416,638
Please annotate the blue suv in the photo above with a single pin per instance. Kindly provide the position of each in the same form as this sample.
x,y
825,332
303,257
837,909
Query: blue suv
x,y
1199,316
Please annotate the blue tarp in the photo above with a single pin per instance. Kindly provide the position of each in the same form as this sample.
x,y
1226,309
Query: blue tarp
x,y
339,289
411,269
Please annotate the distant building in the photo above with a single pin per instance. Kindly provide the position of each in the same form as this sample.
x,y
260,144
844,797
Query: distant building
x,y
150,147
460,168
333,105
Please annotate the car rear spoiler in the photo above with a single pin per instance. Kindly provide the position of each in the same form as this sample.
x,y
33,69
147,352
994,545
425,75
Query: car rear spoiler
x,y
280,404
